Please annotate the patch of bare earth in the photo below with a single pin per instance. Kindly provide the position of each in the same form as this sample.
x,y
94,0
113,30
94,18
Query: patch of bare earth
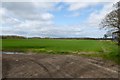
x,y
56,66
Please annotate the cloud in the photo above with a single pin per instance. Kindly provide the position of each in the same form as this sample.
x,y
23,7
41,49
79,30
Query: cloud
x,y
58,0
95,17
34,19
25,18
91,25
29,19
47,30
79,5
33,10
98,1
47,16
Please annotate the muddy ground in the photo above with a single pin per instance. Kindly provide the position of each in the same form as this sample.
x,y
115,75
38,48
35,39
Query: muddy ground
x,y
56,66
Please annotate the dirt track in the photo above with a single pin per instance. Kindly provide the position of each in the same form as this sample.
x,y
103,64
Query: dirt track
x,y
55,66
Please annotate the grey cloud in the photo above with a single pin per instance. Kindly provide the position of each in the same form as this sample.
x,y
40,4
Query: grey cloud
x,y
26,10
29,19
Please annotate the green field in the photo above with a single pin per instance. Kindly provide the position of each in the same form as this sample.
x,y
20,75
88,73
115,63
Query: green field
x,y
107,49
54,45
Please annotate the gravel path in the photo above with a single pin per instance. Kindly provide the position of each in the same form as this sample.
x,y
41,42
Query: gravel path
x,y
55,66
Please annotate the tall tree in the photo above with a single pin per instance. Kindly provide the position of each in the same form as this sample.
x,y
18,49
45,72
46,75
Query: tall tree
x,y
112,21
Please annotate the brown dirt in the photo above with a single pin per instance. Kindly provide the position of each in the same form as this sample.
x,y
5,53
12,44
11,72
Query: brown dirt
x,y
55,66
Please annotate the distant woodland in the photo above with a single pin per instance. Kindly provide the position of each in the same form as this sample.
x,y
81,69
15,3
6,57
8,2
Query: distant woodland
x,y
22,37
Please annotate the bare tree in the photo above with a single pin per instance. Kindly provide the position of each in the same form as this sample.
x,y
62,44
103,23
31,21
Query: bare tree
x,y
112,21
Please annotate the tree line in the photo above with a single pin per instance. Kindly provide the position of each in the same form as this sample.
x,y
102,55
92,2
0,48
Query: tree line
x,y
12,37
22,37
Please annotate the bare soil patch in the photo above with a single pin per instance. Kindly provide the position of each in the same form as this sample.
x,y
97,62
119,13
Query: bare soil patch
x,y
56,66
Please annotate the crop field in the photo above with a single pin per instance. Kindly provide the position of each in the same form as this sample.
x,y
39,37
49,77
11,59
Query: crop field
x,y
107,49
60,45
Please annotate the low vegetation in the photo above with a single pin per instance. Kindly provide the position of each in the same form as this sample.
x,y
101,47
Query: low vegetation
x,y
95,48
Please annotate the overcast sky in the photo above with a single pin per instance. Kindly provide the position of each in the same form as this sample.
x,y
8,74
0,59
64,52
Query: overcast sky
x,y
54,19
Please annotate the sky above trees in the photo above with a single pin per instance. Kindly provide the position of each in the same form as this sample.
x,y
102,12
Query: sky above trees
x,y
57,18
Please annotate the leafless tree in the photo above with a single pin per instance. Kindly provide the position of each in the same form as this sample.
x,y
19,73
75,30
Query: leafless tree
x,y
112,21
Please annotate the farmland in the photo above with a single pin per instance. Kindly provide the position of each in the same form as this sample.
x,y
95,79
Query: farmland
x,y
97,48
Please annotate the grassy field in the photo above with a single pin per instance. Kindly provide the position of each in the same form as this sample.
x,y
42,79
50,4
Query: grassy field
x,y
105,49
